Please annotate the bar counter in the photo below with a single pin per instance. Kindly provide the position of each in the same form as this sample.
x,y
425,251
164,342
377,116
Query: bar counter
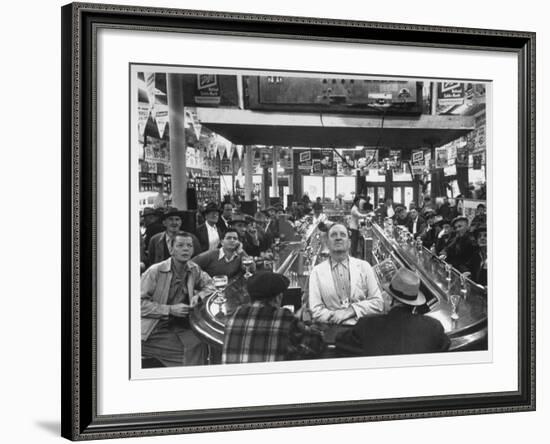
x,y
387,250
390,248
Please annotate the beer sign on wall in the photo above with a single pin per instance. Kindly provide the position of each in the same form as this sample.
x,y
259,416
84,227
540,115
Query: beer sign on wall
x,y
450,93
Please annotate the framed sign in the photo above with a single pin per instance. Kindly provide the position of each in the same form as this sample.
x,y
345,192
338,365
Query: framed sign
x,y
107,50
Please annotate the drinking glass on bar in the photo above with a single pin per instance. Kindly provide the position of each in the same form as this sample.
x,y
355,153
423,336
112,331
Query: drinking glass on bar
x,y
463,283
247,262
448,269
220,283
455,299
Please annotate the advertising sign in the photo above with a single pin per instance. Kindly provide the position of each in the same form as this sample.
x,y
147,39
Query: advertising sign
x,y
418,156
462,156
305,156
450,93
371,157
316,166
208,90
450,171
478,159
395,155
161,118
417,169
441,157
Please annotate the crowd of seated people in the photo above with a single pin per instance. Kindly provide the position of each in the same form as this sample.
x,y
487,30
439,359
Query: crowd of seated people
x,y
448,234
343,290
178,266
177,269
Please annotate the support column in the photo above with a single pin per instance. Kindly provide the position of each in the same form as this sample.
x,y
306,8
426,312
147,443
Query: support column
x,y
248,164
265,188
433,110
178,148
291,179
296,176
274,174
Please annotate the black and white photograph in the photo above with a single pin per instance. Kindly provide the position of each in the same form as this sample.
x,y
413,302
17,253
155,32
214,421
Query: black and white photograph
x,y
274,221
307,218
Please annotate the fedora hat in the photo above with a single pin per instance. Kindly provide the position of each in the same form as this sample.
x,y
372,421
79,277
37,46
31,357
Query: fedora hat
x,y
238,218
172,211
405,286
480,229
150,211
211,208
440,221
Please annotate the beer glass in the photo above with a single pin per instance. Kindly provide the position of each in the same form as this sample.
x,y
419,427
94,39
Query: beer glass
x,y
247,262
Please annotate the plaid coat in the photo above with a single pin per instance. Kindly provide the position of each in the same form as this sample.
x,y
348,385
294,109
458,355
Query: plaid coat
x,y
261,333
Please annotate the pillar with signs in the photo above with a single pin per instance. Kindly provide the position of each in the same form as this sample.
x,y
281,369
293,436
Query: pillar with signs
x,y
248,165
178,147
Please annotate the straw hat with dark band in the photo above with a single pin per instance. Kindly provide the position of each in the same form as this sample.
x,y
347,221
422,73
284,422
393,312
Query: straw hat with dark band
x,y
405,286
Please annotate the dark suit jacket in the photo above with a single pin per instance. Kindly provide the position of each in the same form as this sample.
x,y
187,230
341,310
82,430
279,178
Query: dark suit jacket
x,y
460,250
202,236
479,273
441,242
398,332
158,251
266,239
383,210
249,247
429,236
420,225
222,226
151,230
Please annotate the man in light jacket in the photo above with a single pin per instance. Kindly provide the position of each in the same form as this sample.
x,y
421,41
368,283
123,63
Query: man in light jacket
x,y
169,291
343,289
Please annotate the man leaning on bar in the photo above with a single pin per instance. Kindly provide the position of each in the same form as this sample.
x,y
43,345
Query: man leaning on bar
x,y
343,289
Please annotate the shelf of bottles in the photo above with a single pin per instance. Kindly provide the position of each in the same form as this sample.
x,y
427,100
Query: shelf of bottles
x,y
207,188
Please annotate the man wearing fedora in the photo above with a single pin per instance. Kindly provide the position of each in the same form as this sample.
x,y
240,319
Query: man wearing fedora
x,y
265,237
208,233
415,223
248,235
343,289
159,245
262,331
151,221
431,230
401,331
478,263
460,247
443,236
169,291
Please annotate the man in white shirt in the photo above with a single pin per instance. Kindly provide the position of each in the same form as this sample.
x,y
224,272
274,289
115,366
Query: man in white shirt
x,y
208,233
416,223
343,289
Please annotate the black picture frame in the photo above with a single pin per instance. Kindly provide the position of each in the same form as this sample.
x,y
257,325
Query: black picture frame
x,y
80,420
